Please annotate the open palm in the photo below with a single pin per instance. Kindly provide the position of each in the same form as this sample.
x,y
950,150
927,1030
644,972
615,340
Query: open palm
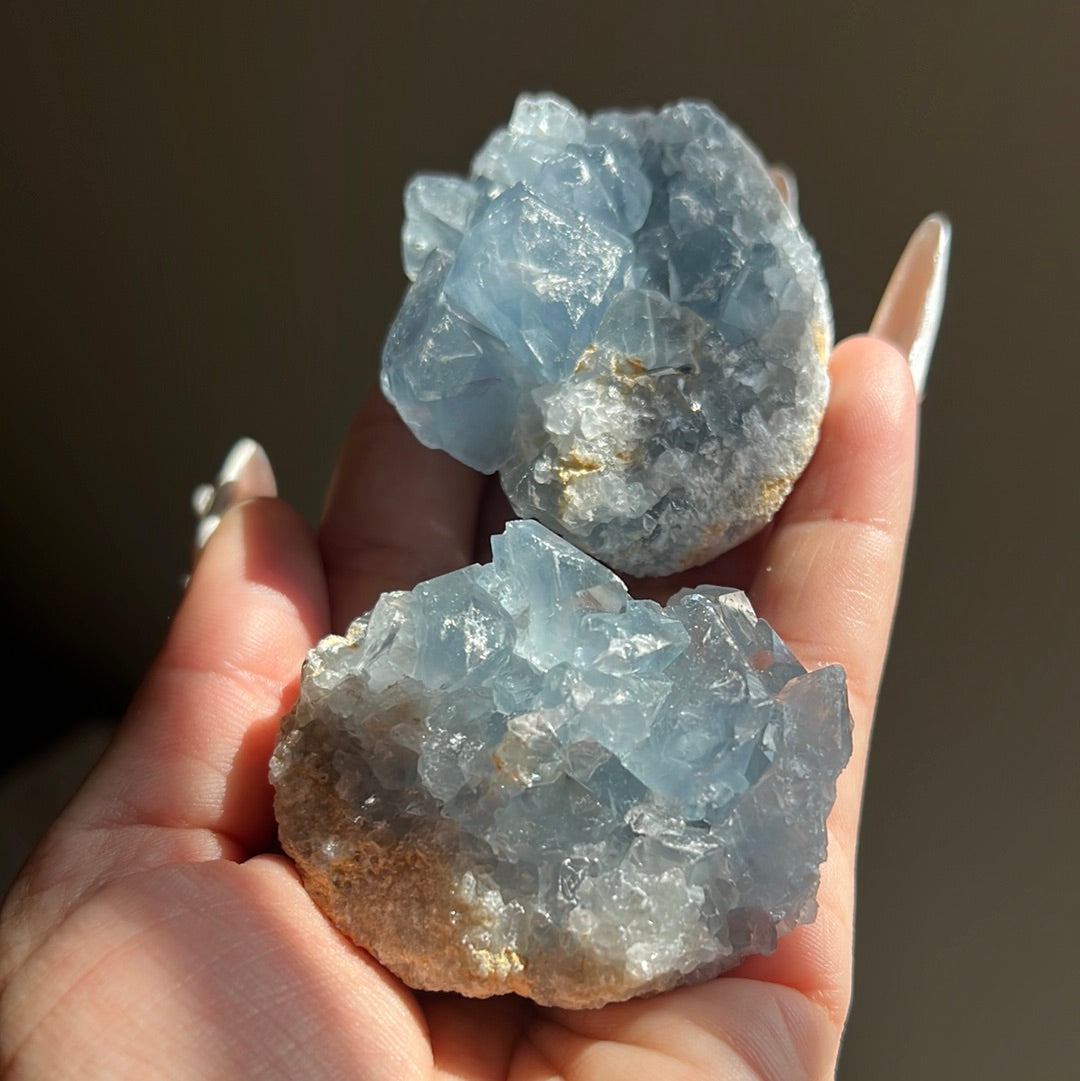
x,y
155,934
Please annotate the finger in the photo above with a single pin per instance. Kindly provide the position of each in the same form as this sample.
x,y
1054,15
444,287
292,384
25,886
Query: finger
x,y
397,513
829,576
495,511
186,777
735,568
828,584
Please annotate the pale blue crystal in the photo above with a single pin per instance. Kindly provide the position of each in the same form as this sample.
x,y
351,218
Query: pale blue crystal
x,y
639,267
538,277
601,183
449,377
437,213
587,782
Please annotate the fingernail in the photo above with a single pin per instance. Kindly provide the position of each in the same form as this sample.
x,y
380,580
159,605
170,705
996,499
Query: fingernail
x,y
787,185
910,310
246,473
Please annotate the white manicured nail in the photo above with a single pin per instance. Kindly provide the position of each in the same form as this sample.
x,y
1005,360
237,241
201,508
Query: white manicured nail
x,y
246,473
910,310
202,499
204,530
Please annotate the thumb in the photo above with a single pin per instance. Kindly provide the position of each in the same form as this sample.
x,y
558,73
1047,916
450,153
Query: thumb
x,y
185,778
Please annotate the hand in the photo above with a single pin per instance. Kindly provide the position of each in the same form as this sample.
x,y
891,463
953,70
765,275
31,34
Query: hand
x,y
155,934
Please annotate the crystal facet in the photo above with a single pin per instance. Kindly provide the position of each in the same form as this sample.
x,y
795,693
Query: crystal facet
x,y
517,778
621,316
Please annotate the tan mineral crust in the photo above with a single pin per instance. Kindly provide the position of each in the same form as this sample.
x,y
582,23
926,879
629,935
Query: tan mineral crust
x,y
397,899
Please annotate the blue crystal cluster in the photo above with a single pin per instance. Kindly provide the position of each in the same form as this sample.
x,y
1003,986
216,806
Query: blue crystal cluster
x,y
620,314
518,778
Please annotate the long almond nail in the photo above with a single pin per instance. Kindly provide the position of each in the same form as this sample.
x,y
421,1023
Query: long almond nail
x,y
910,310
246,473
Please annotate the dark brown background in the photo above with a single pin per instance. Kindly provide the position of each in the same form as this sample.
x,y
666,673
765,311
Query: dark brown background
x,y
199,215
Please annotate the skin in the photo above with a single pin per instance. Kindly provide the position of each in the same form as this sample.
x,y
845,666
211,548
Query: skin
x,y
155,934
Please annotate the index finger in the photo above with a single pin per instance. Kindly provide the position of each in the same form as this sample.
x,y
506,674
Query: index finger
x,y
397,513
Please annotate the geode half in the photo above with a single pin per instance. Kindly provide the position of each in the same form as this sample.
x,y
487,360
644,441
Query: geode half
x,y
516,778
621,315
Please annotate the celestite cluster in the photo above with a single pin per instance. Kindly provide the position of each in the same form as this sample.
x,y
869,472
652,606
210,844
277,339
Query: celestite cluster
x,y
620,314
517,778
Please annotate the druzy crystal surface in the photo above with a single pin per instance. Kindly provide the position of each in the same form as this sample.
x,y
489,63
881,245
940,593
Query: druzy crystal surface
x,y
516,778
620,314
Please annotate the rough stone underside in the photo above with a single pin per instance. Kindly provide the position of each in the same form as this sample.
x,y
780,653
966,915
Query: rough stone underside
x,y
516,778
620,315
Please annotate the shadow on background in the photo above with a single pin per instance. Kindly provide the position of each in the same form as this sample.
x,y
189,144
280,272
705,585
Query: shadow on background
x,y
199,208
